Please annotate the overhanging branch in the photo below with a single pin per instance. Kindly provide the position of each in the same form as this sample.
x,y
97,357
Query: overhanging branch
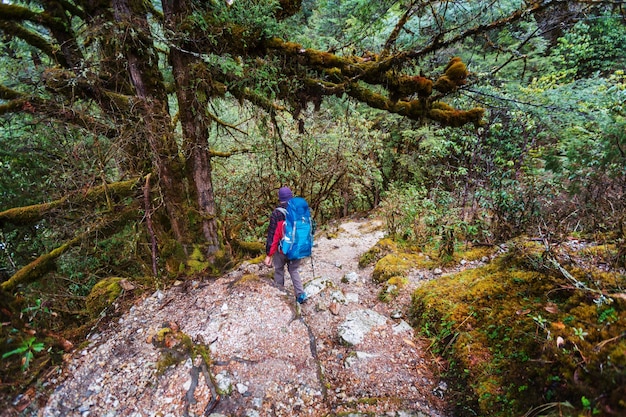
x,y
31,214
440,44
33,39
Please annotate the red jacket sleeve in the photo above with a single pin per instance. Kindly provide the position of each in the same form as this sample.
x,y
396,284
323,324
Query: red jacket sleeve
x,y
278,235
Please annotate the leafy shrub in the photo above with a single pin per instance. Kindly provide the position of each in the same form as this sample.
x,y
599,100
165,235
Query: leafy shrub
x,y
597,44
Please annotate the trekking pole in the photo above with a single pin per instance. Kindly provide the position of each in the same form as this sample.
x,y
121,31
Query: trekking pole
x,y
312,267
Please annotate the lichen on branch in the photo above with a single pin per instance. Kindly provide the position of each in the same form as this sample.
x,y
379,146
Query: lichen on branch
x,y
408,95
31,214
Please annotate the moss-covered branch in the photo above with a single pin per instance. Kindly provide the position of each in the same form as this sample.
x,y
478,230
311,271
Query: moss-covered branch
x,y
12,12
33,39
346,74
213,153
46,263
7,93
18,102
34,213
15,13
413,109
29,214
12,106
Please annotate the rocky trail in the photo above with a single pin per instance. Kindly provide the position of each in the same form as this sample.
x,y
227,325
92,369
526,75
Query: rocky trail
x,y
343,352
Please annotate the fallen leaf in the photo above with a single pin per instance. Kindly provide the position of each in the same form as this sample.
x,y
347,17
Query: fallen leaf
x,y
558,325
126,285
170,342
551,308
334,308
409,342
522,312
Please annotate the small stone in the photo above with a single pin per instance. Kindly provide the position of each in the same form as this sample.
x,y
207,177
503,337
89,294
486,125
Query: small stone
x,y
350,278
352,298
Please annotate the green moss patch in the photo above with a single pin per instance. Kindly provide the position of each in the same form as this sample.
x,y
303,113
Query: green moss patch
x,y
393,265
379,251
519,334
102,295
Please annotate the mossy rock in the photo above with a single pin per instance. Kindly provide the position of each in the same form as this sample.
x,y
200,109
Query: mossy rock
x,y
250,248
382,248
102,295
247,279
393,265
518,335
259,259
476,253
392,288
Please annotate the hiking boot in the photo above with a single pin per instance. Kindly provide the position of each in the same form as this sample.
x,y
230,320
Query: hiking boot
x,y
301,298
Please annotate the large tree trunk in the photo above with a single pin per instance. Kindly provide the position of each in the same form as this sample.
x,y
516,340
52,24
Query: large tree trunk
x,y
194,89
182,203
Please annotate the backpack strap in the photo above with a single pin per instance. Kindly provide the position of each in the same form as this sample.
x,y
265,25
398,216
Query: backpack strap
x,y
282,210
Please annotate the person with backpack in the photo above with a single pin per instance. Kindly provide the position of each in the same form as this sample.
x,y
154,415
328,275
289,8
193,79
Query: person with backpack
x,y
277,247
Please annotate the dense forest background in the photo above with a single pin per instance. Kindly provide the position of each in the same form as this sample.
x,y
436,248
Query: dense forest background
x,y
146,140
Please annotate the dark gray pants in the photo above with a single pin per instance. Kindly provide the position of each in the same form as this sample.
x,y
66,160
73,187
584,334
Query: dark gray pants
x,y
279,260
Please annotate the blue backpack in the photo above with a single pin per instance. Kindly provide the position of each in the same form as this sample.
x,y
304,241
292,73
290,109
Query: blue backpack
x,y
297,242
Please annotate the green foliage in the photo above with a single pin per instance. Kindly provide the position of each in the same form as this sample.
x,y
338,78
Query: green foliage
x,y
32,311
349,24
329,164
426,220
597,44
27,351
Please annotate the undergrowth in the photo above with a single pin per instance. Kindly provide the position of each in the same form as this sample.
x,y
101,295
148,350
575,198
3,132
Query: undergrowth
x,y
536,329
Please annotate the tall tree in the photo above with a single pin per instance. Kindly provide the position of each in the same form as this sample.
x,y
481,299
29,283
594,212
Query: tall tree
x,y
142,75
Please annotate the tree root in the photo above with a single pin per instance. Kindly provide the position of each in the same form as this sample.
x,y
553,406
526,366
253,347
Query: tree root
x,y
176,347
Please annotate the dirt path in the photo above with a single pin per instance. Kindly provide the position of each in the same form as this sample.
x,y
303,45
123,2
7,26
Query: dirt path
x,y
273,358
387,371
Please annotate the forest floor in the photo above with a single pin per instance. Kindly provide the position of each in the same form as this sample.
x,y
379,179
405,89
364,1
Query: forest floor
x,y
272,356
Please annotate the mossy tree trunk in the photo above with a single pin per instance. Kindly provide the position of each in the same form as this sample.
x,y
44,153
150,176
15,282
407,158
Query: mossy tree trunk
x,y
194,88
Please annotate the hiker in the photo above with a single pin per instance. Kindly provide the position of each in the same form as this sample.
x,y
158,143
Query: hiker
x,y
272,248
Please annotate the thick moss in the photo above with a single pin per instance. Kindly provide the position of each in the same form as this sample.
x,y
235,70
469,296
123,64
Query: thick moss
x,y
197,261
392,288
518,335
102,295
382,248
393,265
